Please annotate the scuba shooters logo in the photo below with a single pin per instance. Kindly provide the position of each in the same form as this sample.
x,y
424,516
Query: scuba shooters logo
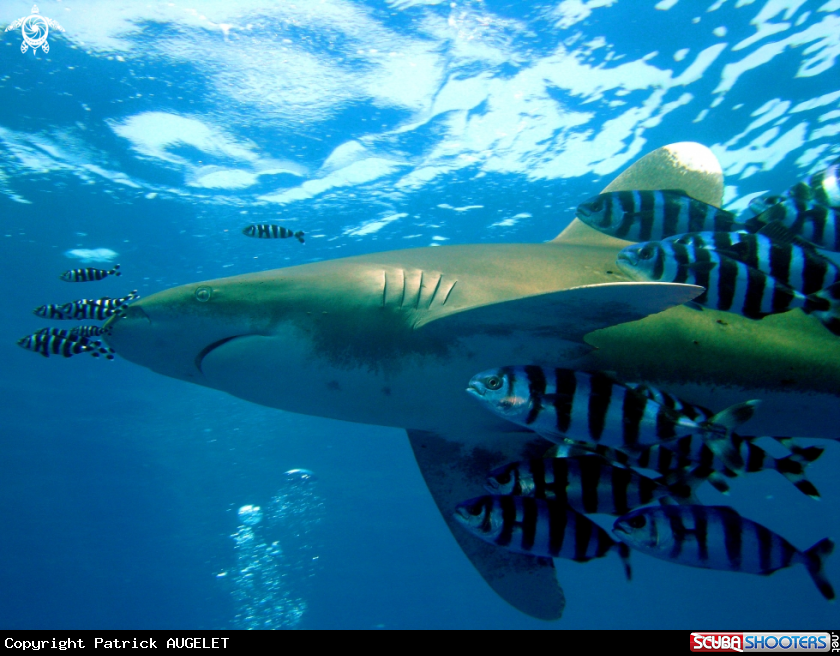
x,y
786,642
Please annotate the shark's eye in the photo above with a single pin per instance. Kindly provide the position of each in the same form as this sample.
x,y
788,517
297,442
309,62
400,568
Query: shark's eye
x,y
494,383
647,252
203,294
637,522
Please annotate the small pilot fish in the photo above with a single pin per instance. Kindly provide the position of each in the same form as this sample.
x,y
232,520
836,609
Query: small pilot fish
x,y
822,188
86,308
50,341
731,286
89,274
538,527
594,408
717,537
87,331
588,484
269,231
653,215
797,265
812,221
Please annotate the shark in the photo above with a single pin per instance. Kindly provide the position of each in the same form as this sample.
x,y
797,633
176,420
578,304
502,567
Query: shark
x,y
393,338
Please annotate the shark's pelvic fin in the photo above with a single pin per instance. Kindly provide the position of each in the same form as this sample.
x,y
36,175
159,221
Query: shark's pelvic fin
x,y
571,313
687,166
455,473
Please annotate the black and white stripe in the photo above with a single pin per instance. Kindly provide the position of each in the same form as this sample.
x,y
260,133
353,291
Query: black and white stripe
x,y
652,215
86,308
586,484
89,274
51,341
271,231
731,286
800,267
814,222
717,537
538,527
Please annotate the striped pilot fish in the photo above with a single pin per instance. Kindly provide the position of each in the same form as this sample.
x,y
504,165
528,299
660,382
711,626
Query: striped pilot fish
x,y
691,453
51,341
717,537
588,484
814,222
270,231
89,274
86,308
795,263
594,408
822,188
538,527
731,286
653,215
688,461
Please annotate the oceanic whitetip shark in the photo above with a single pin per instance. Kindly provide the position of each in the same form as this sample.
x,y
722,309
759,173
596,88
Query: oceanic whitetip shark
x,y
393,338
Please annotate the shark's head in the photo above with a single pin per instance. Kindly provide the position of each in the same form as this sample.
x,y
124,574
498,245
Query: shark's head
x,y
171,332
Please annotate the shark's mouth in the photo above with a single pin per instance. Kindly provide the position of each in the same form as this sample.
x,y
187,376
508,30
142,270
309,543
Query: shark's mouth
x,y
210,348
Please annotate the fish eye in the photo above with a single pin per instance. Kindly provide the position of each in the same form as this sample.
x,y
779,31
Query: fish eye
x,y
203,294
494,383
503,478
637,522
647,252
598,204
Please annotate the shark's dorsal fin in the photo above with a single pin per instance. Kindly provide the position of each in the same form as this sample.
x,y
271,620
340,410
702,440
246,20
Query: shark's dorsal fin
x,y
569,314
688,166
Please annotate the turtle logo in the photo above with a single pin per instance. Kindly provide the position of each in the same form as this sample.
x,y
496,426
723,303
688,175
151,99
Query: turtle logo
x,y
35,29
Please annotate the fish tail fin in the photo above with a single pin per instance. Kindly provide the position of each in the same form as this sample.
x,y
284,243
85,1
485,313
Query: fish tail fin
x,y
825,305
717,433
115,271
623,552
792,467
815,562
299,234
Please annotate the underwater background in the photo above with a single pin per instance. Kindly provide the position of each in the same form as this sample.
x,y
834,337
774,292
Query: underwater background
x,y
151,133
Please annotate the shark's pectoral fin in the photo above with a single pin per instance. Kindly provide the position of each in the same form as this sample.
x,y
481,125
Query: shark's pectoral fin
x,y
454,473
569,314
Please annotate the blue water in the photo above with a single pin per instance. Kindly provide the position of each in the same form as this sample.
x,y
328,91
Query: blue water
x,y
158,130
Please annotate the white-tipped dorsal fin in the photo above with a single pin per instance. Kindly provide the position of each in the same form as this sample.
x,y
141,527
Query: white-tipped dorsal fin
x,y
686,165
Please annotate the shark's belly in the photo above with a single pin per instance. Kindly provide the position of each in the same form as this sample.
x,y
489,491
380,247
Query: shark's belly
x,y
424,389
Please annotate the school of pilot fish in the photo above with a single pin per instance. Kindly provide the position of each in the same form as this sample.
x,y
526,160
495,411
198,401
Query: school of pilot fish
x,y
638,452
621,448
